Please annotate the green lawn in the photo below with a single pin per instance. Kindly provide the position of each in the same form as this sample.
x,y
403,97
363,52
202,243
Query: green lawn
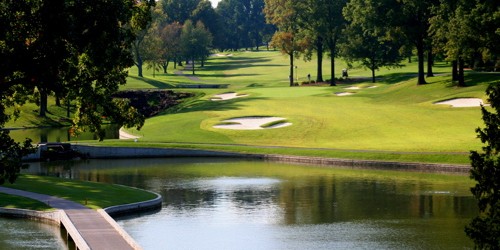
x,y
397,115
93,195
396,120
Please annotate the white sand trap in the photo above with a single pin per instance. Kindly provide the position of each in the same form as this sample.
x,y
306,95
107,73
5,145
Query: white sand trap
x,y
125,136
373,86
352,88
344,93
463,102
226,96
252,123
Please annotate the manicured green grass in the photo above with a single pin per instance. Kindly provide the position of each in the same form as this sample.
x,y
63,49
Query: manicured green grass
x,y
396,120
93,195
12,201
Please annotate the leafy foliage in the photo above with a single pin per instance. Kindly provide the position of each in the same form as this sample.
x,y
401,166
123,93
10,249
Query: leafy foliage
x,y
485,229
71,49
10,156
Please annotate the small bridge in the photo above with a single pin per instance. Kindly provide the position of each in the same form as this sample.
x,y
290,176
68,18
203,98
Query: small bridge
x,y
87,228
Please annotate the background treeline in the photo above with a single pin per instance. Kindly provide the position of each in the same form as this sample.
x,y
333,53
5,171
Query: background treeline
x,y
374,33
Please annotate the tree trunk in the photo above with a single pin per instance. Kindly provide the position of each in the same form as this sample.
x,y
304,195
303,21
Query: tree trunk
x,y
332,69
333,53
461,78
67,107
291,69
420,53
319,50
58,101
373,75
139,61
192,62
454,70
43,102
430,63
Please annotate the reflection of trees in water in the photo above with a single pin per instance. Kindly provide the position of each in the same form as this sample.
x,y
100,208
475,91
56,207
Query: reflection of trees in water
x,y
329,199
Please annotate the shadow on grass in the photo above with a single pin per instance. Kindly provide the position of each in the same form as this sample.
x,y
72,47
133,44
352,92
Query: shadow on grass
x,y
223,75
208,105
394,78
153,83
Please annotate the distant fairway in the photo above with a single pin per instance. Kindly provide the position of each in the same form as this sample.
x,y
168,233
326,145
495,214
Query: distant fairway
x,y
393,119
396,116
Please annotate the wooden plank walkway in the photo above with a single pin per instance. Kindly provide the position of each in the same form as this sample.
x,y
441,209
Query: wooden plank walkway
x,y
89,229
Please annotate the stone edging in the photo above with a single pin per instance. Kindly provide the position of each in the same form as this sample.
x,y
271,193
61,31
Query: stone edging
x,y
136,207
51,217
386,165
140,152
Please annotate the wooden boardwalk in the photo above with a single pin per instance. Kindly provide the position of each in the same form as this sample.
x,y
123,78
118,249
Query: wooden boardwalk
x,y
89,229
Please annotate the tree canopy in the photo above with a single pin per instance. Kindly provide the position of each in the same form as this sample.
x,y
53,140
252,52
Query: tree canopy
x,y
71,49
484,230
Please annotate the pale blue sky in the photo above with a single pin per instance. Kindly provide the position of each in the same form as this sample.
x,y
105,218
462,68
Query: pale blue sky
x,y
214,2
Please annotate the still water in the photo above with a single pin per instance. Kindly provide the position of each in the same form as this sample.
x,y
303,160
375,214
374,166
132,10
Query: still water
x,y
240,204
25,234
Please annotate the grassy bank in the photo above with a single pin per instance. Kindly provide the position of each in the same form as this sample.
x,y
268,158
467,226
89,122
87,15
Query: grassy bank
x,y
93,195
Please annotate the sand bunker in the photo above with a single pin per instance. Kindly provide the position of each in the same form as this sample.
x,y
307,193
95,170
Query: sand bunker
x,y
463,102
352,88
252,123
344,93
226,96
125,136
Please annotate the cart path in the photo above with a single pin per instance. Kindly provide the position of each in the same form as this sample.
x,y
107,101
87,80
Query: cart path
x,y
96,230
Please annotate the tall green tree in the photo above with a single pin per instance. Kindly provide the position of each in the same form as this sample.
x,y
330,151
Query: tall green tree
x,y
77,51
284,15
325,21
368,39
196,42
413,21
243,24
179,10
484,230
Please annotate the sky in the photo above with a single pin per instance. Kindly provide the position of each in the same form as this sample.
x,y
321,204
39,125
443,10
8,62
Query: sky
x,y
214,2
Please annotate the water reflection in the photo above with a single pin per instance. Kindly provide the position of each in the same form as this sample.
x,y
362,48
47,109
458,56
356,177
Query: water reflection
x,y
234,204
60,134
26,234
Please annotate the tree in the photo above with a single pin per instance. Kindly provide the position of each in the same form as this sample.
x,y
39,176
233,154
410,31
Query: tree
x,y
179,10
243,24
484,230
284,14
413,21
78,52
325,21
196,42
170,36
368,39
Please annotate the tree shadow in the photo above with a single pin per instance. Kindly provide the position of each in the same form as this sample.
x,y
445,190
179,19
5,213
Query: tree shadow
x,y
394,78
209,105
153,83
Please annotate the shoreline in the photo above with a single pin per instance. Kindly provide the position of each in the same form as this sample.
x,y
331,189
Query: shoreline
x,y
107,152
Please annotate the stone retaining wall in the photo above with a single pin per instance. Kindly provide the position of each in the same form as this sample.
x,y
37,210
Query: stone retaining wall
x,y
51,217
136,207
410,166
95,152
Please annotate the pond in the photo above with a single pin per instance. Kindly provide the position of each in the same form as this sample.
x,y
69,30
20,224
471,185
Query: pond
x,y
245,204
25,234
